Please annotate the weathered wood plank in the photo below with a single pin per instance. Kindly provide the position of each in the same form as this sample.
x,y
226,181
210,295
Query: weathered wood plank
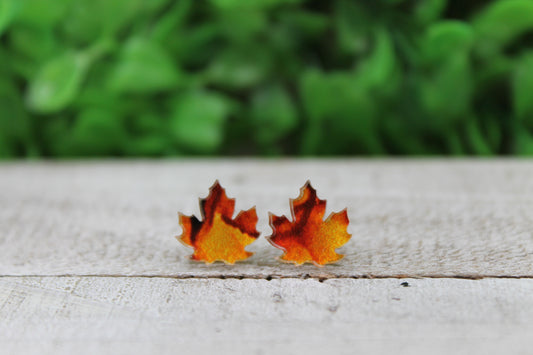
x,y
415,218
127,315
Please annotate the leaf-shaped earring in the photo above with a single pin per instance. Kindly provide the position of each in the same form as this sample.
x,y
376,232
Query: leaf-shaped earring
x,y
219,237
309,238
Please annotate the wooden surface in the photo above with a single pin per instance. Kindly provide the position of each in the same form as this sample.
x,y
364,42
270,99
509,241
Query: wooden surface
x,y
89,263
125,315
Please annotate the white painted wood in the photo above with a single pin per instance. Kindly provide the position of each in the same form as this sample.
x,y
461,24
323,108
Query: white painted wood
x,y
128,315
434,218
469,218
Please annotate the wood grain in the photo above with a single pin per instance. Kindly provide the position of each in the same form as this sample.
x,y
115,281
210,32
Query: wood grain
x,y
133,290
421,218
128,315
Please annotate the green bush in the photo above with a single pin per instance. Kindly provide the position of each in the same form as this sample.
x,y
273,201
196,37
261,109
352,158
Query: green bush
x,y
268,77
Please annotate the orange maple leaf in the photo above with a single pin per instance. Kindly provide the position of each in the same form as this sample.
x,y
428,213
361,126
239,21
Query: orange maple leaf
x,y
218,236
309,238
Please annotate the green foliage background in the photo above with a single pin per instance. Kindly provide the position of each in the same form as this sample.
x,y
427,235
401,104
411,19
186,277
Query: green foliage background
x,y
269,77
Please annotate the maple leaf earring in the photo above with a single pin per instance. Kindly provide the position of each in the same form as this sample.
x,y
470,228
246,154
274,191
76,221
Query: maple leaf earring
x,y
309,238
219,237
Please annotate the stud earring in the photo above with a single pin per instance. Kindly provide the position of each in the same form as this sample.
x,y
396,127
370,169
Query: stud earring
x,y
219,237
308,238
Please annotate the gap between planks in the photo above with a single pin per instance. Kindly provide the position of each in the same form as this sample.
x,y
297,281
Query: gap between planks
x,y
278,277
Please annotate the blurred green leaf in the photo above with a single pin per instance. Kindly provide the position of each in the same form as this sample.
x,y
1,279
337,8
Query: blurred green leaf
x,y
197,46
353,23
55,135
476,139
158,77
151,145
8,11
428,11
342,115
492,131
146,123
243,25
172,20
57,83
446,38
144,67
378,71
524,142
447,94
36,43
148,133
42,13
501,21
455,145
446,89
393,2
197,121
239,4
95,132
523,89
273,113
239,67
151,6
308,23
86,21
4,149
15,135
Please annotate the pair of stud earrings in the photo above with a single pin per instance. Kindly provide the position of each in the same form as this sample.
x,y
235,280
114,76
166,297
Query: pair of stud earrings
x,y
307,238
